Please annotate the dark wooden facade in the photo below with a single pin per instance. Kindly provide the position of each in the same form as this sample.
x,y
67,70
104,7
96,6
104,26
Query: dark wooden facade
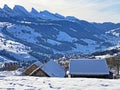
x,y
91,76
40,73
34,70
30,69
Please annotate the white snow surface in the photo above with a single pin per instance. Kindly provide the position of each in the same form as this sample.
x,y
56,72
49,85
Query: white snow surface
x,y
43,83
91,47
16,49
53,42
88,67
53,69
38,63
10,73
62,36
84,48
91,42
114,32
13,46
24,33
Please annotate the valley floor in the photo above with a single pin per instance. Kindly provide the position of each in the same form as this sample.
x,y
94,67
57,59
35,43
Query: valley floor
x,y
40,83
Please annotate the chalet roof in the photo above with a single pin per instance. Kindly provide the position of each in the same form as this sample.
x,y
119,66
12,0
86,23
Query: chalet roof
x,y
88,67
53,69
38,63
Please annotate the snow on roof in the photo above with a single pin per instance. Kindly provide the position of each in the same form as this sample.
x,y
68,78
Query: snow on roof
x,y
53,69
88,67
38,63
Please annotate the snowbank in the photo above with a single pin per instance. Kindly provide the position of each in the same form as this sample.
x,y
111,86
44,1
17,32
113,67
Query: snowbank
x,y
38,83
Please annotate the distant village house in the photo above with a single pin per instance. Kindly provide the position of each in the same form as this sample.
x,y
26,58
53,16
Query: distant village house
x,y
90,68
49,69
9,66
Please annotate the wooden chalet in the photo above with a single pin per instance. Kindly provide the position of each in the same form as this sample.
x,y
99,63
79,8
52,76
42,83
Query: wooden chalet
x,y
90,68
49,69
29,70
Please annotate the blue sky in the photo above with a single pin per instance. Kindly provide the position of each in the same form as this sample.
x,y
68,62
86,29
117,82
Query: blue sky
x,y
90,10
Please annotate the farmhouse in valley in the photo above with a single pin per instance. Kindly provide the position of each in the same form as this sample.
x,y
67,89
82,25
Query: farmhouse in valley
x,y
49,69
90,68
9,65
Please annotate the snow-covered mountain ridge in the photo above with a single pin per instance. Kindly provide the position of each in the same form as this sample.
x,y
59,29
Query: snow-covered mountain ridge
x,y
36,35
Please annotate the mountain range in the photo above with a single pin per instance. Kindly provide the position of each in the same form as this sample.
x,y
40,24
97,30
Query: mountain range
x,y
38,35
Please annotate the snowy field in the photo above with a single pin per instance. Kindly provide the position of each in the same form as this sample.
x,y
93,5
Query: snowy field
x,y
43,83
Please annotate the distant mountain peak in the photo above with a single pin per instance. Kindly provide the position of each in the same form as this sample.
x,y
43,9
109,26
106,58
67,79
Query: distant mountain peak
x,y
34,13
72,18
20,10
59,16
48,15
18,6
33,10
5,11
45,11
6,6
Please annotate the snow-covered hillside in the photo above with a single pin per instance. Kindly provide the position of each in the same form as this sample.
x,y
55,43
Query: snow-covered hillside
x,y
11,46
24,33
39,83
62,36
39,34
114,32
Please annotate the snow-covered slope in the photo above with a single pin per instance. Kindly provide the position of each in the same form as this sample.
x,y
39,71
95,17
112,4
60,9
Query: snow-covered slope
x,y
24,33
62,36
114,32
37,83
9,46
43,34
